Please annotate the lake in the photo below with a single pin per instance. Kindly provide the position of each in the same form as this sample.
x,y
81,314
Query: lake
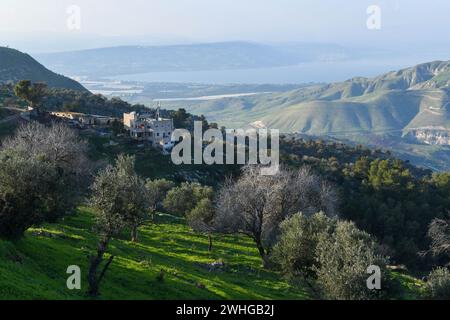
x,y
302,73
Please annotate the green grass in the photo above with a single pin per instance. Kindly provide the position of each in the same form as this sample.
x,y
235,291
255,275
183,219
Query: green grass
x,y
35,267
412,288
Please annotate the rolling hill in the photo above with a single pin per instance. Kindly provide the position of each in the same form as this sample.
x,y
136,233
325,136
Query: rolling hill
x,y
395,102
406,111
15,66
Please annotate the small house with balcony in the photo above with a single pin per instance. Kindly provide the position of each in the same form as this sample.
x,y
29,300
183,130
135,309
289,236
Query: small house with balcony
x,y
145,128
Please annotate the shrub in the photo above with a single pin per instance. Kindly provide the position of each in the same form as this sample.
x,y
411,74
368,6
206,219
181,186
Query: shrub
x,y
295,252
183,199
157,191
28,193
343,258
439,233
200,219
42,173
438,284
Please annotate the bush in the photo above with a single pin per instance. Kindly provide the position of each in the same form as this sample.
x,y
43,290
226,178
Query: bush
x,y
343,258
183,199
438,284
42,173
157,191
29,191
201,218
439,233
295,252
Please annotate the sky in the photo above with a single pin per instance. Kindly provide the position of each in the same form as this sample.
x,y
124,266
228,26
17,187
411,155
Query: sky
x,y
48,25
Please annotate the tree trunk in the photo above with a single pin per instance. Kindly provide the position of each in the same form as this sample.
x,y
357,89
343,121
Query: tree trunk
x,y
152,215
134,233
262,253
210,242
95,261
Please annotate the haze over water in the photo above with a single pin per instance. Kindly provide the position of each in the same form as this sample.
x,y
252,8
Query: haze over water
x,y
302,73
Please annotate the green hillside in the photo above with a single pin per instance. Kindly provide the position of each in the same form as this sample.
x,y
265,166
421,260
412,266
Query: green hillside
x,y
15,66
393,111
35,267
375,112
387,103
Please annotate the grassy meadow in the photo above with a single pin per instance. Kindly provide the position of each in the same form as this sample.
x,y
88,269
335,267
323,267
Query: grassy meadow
x,y
35,267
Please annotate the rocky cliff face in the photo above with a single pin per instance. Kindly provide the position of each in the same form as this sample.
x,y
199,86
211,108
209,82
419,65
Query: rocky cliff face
x,y
432,136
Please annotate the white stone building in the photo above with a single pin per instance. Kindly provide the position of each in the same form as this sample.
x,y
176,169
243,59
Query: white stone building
x,y
143,127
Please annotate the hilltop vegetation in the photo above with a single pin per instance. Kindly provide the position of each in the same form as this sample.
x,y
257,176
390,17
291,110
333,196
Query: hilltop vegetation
x,y
384,196
15,66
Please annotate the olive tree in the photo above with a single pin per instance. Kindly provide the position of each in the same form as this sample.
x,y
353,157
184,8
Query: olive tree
x,y
343,258
439,233
119,200
201,217
107,200
438,284
42,169
134,191
183,199
29,189
295,252
157,191
255,205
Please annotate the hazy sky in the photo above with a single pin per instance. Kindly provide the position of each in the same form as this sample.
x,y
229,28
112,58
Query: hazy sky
x,y
41,25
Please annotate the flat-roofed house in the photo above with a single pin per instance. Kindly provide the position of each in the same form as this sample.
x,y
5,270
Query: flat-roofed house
x,y
143,127
85,119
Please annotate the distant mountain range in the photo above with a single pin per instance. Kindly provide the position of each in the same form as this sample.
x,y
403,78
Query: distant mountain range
x,y
406,111
15,66
399,101
189,57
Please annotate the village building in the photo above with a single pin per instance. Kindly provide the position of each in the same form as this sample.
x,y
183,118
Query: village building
x,y
85,119
155,130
